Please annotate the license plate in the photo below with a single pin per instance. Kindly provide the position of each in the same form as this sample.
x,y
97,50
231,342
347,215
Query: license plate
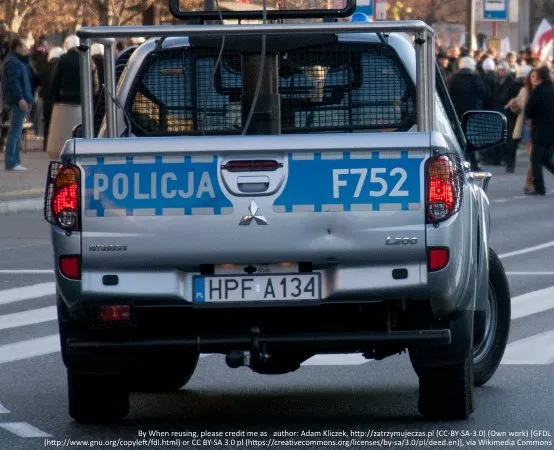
x,y
257,288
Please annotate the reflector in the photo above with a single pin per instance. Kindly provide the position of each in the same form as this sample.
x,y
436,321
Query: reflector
x,y
114,313
438,258
70,267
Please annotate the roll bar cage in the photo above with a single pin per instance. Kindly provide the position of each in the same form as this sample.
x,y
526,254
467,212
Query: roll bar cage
x,y
424,45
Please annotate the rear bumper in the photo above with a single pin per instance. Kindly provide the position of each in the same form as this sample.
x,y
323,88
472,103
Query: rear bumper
x,y
339,283
217,344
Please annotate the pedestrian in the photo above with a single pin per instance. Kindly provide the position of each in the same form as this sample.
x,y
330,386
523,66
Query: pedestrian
x,y
467,92
4,41
444,65
39,63
18,96
492,156
540,109
66,94
521,127
99,104
511,59
505,88
46,90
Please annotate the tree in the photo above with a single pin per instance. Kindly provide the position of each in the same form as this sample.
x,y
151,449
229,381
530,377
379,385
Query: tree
x,y
121,12
430,11
16,11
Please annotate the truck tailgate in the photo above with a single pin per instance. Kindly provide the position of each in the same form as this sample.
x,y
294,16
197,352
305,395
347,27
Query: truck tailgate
x,y
186,201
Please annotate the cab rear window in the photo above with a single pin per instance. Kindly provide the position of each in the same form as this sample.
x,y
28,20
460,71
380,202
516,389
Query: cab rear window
x,y
334,88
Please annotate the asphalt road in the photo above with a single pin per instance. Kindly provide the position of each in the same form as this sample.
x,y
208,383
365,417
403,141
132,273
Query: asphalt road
x,y
329,393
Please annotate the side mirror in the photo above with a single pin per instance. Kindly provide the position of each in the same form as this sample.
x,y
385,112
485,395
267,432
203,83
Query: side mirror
x,y
484,129
77,131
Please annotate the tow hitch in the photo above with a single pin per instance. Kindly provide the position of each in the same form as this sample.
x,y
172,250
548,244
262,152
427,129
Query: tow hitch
x,y
255,358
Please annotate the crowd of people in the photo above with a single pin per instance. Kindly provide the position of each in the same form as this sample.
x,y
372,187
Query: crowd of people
x,y
41,84
518,85
39,81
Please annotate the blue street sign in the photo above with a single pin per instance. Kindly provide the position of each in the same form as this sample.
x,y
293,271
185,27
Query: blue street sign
x,y
365,7
495,10
360,17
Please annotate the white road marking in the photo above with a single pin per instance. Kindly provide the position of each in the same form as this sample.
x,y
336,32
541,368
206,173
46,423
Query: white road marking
x,y
501,200
532,303
519,197
27,271
29,349
527,250
348,359
29,204
27,292
537,349
19,247
24,318
530,273
24,430
4,410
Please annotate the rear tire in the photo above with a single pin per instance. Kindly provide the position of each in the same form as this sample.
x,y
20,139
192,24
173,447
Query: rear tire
x,y
446,392
95,398
167,373
488,351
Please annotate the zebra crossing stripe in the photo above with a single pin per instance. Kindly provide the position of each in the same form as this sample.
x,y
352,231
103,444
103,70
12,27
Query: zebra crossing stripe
x,y
27,292
31,348
25,318
24,430
533,350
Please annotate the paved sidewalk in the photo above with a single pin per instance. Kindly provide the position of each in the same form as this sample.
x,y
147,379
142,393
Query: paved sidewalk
x,y
24,191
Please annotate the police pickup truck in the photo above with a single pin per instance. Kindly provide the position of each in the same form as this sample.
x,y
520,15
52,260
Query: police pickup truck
x,y
271,192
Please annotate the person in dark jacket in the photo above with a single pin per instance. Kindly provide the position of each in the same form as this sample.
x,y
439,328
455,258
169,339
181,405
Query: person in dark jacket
x,y
17,89
504,90
66,80
540,109
467,92
4,41
66,95
39,64
46,90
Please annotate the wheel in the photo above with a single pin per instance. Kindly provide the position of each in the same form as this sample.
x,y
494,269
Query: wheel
x,y
446,392
446,371
96,398
166,373
489,348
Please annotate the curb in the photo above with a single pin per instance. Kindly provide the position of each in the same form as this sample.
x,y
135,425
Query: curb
x,y
15,206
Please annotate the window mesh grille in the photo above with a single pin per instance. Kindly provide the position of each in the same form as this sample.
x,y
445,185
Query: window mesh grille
x,y
331,88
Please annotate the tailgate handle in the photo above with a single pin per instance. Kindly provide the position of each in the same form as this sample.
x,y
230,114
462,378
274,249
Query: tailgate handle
x,y
253,184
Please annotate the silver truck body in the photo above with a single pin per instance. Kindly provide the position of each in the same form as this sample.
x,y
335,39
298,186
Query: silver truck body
x,y
351,255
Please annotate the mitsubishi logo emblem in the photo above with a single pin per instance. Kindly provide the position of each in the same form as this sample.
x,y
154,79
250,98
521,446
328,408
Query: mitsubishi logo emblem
x,y
253,209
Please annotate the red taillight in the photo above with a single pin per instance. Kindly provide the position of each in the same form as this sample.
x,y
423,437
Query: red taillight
x,y
442,188
70,267
62,196
65,198
437,258
114,313
261,165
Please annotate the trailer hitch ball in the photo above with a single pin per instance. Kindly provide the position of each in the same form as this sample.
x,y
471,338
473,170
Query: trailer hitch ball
x,y
236,359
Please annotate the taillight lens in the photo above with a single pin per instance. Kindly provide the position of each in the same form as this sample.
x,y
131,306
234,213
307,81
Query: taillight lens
x,y
443,188
62,196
